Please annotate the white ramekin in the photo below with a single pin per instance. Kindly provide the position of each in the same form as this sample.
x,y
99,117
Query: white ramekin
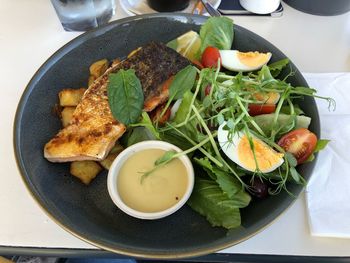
x,y
260,6
112,180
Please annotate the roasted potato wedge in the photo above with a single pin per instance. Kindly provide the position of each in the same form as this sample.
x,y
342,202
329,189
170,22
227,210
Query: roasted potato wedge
x,y
66,115
85,170
107,162
70,97
98,68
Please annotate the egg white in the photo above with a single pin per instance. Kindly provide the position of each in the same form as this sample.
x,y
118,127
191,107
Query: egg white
x,y
174,109
230,61
230,148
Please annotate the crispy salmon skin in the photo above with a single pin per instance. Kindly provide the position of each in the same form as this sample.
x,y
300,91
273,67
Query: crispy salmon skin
x,y
93,130
154,64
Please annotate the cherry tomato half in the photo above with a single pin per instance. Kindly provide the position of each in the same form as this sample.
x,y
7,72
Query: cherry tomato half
x,y
300,142
210,57
257,109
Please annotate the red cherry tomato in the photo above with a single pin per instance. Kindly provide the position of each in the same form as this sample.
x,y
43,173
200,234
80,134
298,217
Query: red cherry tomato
x,y
207,90
300,142
210,57
257,109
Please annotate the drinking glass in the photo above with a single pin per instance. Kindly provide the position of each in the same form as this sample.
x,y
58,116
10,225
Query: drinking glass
x,y
82,15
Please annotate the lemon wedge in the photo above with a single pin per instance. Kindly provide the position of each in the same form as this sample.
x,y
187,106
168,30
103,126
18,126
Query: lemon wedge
x,y
188,45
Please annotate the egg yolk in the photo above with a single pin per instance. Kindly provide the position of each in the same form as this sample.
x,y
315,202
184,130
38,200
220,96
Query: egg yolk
x,y
265,97
268,98
253,59
266,157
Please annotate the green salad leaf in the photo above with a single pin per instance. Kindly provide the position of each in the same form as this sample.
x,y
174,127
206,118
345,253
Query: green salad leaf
x,y
265,122
291,159
206,166
183,81
227,182
147,123
209,200
217,32
175,138
125,96
295,175
184,107
278,66
225,187
265,74
321,144
138,134
286,110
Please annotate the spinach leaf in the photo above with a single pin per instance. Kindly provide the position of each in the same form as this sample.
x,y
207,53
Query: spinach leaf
x,y
217,32
208,200
190,129
125,96
183,81
184,108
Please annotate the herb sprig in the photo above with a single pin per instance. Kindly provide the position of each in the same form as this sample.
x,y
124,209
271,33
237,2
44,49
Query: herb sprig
x,y
228,102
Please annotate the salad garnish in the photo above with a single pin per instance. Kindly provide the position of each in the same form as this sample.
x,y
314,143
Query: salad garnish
x,y
259,104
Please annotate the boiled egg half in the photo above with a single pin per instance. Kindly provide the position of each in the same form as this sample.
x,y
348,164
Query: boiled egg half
x,y
243,61
239,151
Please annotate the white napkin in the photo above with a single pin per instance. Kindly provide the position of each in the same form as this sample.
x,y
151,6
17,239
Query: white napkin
x,y
328,191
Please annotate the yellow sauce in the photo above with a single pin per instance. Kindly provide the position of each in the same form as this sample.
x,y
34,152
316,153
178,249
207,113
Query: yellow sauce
x,y
158,191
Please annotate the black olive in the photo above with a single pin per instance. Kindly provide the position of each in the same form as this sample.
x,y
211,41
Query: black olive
x,y
259,188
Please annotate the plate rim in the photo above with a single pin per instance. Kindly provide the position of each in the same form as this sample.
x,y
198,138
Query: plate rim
x,y
36,196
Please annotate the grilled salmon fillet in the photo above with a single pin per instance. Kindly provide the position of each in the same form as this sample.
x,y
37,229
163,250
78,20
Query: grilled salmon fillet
x,y
93,130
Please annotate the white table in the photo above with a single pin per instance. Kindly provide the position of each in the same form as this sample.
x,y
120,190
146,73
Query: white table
x,y
30,32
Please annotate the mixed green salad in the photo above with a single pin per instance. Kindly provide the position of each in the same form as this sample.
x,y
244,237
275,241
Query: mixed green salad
x,y
244,131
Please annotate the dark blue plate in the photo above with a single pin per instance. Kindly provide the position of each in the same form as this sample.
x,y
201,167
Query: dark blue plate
x,y
87,211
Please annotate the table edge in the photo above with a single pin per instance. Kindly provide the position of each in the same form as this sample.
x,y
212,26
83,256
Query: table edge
x,y
215,257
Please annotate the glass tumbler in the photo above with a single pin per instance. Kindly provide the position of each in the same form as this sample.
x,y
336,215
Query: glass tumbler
x,y
82,15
